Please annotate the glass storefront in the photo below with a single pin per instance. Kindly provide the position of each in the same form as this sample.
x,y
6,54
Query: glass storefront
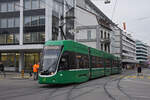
x,y
30,60
11,61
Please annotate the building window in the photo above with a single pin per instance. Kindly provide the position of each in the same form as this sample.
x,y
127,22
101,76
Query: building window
x,y
108,36
17,22
16,36
10,6
35,20
102,34
3,7
35,37
3,23
27,4
27,38
101,46
105,47
2,38
17,7
27,21
35,4
10,38
89,34
42,4
10,22
109,48
42,36
105,35
42,20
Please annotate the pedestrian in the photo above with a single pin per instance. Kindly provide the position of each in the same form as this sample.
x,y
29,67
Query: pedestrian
x,y
123,68
139,70
35,71
2,70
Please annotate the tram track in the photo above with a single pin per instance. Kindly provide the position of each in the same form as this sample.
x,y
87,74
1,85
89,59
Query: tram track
x,y
70,92
92,87
118,79
23,92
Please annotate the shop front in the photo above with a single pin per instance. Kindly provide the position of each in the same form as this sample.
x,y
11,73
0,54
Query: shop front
x,y
11,61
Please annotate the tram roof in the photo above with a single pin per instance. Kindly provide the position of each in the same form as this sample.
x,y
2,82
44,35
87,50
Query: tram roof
x,y
80,48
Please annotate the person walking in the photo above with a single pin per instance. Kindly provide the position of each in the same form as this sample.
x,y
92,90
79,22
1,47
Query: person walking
x,y
139,70
123,68
35,71
2,70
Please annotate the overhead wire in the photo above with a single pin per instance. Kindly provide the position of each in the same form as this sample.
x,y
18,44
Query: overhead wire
x,y
114,9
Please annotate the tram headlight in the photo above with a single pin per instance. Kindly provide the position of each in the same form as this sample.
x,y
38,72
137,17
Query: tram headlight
x,y
51,73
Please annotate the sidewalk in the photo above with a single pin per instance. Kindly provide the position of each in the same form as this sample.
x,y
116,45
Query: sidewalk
x,y
16,75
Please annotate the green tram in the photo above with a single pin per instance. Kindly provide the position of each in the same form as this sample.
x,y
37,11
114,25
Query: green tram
x,y
67,61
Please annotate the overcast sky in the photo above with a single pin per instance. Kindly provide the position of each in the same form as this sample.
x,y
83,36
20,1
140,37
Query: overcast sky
x,y
136,14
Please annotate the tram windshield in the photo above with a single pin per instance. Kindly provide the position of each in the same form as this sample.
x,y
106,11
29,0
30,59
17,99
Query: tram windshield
x,y
50,59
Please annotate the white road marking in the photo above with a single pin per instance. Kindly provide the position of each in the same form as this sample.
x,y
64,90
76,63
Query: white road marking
x,y
142,97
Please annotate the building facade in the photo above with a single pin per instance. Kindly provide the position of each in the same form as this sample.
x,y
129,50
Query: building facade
x,y
148,51
141,51
125,48
118,42
128,50
25,25
93,27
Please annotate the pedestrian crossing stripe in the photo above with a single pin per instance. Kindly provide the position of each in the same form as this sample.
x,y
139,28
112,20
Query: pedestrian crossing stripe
x,y
148,77
138,77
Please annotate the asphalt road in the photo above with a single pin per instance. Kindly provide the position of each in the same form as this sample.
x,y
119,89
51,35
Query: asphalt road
x,y
115,87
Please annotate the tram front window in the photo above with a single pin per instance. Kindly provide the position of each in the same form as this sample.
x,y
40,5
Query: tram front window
x,y
50,59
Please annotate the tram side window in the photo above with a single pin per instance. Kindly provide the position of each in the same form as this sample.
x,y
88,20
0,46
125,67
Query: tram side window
x,y
93,62
63,65
72,60
82,61
79,61
67,61
99,62
86,61
118,63
113,63
108,63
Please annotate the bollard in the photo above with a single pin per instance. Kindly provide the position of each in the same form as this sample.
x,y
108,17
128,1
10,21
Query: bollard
x,y
22,73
